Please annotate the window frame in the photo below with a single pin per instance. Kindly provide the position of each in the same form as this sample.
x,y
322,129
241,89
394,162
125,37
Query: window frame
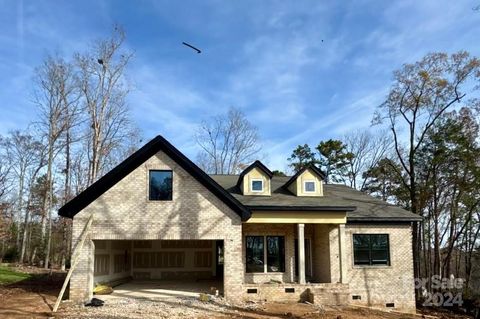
x,y
305,186
265,255
150,188
370,259
257,180
246,254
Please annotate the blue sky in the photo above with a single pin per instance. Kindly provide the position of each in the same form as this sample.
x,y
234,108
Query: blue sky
x,y
265,57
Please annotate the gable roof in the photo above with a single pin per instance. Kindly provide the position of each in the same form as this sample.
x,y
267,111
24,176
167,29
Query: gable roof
x,y
157,144
312,167
256,164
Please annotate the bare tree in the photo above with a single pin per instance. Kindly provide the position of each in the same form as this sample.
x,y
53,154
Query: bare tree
x,y
33,172
421,93
21,149
104,88
368,149
5,167
55,95
227,141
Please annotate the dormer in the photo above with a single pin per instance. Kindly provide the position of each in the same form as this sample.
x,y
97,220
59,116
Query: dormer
x,y
307,182
255,180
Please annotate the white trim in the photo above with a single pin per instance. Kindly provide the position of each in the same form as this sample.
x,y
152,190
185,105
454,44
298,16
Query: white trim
x,y
256,180
305,186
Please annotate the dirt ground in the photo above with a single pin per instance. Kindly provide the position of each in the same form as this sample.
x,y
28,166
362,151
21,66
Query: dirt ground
x,y
31,298
34,298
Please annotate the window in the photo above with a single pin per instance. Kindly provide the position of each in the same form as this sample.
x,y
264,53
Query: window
x,y
257,185
255,254
371,249
309,186
160,185
274,254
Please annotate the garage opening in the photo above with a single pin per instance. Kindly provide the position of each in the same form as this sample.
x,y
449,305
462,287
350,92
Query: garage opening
x,y
160,268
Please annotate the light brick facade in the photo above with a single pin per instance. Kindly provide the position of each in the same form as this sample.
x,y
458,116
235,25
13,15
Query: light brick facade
x,y
379,285
124,212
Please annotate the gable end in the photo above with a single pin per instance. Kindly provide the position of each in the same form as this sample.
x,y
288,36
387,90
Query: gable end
x,y
159,143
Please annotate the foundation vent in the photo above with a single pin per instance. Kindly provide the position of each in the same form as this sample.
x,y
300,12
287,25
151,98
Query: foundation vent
x,y
289,290
390,305
356,297
252,291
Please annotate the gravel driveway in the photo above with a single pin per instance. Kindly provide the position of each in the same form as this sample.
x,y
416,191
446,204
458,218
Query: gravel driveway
x,y
160,308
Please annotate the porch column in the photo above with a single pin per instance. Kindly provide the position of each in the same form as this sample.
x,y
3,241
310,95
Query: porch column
x,y
342,253
301,253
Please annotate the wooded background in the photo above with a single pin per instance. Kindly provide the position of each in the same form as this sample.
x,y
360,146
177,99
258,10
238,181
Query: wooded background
x,y
421,152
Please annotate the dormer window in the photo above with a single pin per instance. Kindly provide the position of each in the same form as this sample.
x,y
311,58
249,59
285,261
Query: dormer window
x,y
255,180
307,182
257,185
309,186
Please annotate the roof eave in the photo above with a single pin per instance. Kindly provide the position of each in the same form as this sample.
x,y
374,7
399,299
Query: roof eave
x,y
301,208
384,219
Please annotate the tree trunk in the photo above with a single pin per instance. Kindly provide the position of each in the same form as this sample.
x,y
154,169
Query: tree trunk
x,y
47,206
25,232
49,240
415,229
66,198
20,207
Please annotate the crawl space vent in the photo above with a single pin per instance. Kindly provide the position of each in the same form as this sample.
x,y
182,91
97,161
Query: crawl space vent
x,y
252,291
390,305
289,290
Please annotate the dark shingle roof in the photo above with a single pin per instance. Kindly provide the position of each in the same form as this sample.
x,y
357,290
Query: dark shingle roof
x,y
359,206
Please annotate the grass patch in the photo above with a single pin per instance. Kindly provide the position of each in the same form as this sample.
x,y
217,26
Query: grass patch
x,y
9,276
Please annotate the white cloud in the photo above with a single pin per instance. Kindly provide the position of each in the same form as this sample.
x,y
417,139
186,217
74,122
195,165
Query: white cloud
x,y
266,58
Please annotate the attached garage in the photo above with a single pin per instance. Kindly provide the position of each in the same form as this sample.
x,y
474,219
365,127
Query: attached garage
x,y
159,262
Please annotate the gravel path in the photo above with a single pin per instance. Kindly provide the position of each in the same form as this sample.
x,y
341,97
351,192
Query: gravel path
x,y
161,308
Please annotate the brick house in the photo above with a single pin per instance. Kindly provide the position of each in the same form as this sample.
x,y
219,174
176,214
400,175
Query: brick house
x,y
157,216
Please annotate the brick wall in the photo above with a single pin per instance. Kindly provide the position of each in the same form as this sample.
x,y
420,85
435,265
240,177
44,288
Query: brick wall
x,y
318,293
321,252
378,285
124,212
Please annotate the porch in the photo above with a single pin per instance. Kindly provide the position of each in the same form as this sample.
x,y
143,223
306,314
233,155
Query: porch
x,y
301,261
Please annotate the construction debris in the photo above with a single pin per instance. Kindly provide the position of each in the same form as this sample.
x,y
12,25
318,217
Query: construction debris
x,y
102,290
95,303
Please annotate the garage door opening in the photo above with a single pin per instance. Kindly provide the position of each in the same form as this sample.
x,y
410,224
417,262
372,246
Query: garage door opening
x,y
160,268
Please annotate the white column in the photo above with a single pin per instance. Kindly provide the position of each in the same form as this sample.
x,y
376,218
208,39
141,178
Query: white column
x,y
301,254
342,253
